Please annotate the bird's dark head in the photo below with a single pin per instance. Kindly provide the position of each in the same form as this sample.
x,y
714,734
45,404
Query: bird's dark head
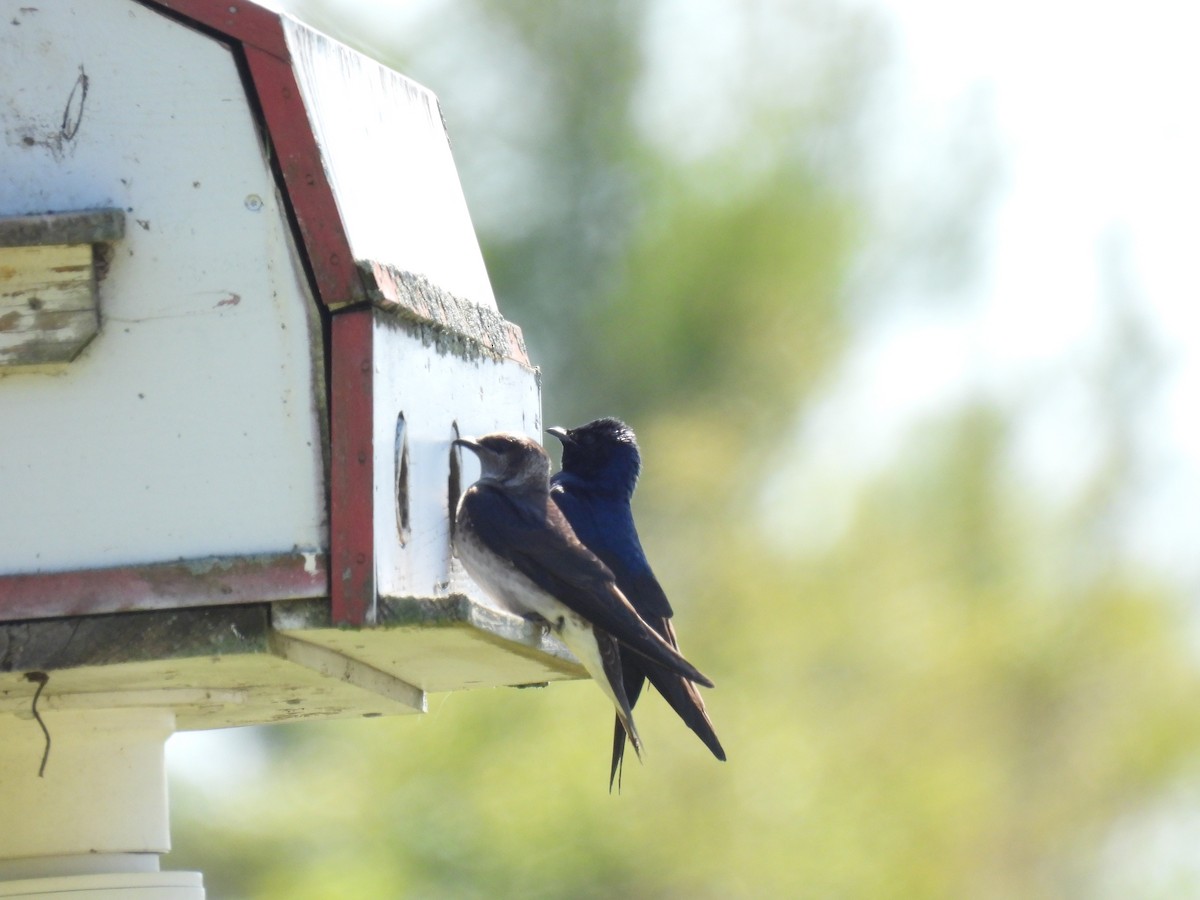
x,y
603,452
511,460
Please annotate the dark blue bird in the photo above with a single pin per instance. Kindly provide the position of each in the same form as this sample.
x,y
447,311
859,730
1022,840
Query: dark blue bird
x,y
517,545
600,468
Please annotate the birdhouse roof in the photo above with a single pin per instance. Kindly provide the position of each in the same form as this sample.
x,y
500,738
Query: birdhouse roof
x,y
364,161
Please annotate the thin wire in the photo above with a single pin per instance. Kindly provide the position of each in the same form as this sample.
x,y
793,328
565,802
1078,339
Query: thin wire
x,y
42,680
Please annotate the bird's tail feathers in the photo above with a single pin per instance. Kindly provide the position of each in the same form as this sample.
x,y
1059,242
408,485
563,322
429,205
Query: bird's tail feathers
x,y
655,649
633,681
602,659
641,638
683,697
614,682
618,754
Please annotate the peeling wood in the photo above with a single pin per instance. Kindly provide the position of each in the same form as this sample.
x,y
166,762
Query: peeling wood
x,y
48,303
203,636
35,281
416,298
95,226
49,269
53,644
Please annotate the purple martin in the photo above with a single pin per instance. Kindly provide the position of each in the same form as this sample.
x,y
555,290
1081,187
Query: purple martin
x,y
600,468
516,545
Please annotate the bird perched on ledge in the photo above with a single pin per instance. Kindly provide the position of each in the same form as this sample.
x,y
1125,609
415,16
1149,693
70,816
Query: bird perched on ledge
x,y
516,544
600,468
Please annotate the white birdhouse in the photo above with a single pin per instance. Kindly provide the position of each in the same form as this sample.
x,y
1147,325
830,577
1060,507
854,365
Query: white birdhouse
x,y
243,314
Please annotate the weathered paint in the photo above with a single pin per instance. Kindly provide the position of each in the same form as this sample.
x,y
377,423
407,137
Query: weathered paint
x,y
304,178
333,665
98,226
47,304
236,665
50,266
197,582
351,534
258,35
415,297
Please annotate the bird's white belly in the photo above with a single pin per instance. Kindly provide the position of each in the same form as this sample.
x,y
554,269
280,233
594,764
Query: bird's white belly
x,y
518,594
507,586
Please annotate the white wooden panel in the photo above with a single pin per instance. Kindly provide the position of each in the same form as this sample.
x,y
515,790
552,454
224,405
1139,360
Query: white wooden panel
x,y
187,427
435,388
388,158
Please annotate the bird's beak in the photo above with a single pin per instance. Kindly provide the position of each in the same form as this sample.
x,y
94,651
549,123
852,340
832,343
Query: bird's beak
x,y
470,443
559,432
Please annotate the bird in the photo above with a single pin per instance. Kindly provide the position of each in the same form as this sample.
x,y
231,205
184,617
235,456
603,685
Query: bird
x,y
594,489
518,547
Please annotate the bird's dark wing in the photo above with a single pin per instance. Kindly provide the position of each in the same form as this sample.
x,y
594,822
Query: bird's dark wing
x,y
683,696
542,546
606,527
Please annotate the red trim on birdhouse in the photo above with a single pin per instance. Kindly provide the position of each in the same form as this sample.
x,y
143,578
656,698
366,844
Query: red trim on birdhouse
x,y
213,581
352,475
308,191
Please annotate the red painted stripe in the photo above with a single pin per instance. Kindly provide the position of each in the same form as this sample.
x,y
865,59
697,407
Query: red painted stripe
x,y
309,192
352,489
211,581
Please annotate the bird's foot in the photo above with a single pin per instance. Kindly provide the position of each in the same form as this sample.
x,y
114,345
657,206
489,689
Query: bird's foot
x,y
540,621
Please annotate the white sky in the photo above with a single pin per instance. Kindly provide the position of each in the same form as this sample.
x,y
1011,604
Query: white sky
x,y
1096,109
1095,113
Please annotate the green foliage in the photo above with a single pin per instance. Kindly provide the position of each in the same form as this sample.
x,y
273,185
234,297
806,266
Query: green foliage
x,y
725,302
940,704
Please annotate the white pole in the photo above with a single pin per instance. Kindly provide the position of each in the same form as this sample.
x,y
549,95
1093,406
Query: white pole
x,y
92,826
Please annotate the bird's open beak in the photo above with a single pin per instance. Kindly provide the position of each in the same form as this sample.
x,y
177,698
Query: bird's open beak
x,y
559,432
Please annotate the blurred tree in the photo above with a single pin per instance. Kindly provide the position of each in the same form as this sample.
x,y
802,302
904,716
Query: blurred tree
x,y
926,708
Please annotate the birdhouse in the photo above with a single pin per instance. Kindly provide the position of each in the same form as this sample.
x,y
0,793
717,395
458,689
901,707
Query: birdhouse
x,y
243,315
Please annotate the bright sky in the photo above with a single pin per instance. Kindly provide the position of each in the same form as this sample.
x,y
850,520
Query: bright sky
x,y
1096,112
1093,107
